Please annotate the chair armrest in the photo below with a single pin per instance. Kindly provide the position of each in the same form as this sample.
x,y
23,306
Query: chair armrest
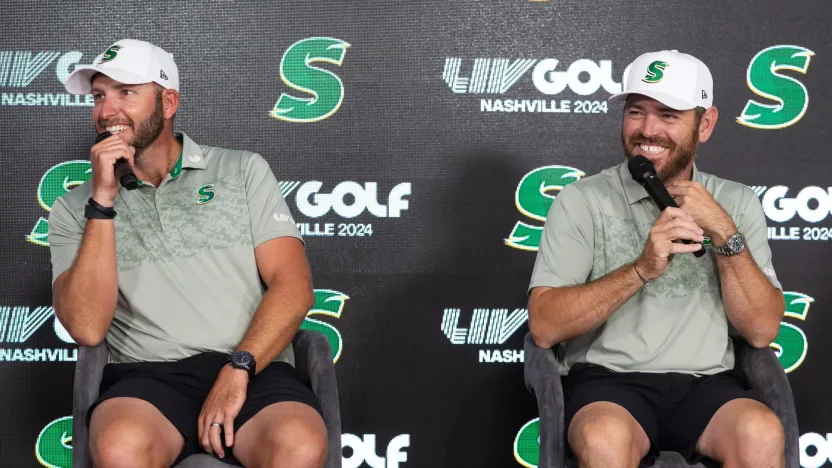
x,y
313,357
766,374
540,370
88,370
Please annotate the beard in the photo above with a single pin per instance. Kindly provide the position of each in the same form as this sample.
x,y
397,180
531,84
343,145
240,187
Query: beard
x,y
150,128
680,156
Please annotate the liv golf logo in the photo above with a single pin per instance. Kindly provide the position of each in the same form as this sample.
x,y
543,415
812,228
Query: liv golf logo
x,y
489,327
766,80
497,76
787,206
322,91
347,200
18,324
24,78
533,198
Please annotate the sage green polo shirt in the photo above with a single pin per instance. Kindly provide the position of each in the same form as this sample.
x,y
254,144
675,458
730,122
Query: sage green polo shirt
x,y
678,322
187,277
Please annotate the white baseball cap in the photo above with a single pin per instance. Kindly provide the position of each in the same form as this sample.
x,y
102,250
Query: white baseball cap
x,y
679,81
128,61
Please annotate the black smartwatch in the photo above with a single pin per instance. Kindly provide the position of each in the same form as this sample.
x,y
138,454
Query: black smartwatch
x,y
95,210
243,360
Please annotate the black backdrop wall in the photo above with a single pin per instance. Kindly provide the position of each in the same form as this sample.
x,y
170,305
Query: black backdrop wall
x,y
420,144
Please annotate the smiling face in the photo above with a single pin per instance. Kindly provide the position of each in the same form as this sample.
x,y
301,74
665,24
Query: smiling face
x,y
667,137
134,112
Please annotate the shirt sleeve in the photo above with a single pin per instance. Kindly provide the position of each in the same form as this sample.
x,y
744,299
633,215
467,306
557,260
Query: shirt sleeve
x,y
65,234
565,255
268,211
753,227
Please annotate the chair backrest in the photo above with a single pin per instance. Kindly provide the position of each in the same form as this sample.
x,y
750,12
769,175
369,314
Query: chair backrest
x,y
88,370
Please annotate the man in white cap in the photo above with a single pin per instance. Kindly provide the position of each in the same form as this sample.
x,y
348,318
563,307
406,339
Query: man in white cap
x,y
644,324
169,273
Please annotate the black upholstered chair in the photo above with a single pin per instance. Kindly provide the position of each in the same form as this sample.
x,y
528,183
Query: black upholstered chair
x,y
313,358
760,365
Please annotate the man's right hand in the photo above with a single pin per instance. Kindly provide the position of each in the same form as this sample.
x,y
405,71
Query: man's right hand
x,y
103,157
673,224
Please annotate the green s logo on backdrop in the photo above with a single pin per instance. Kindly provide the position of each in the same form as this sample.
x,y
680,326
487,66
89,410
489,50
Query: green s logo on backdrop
x,y
57,181
534,196
331,303
53,448
324,89
527,444
791,97
791,345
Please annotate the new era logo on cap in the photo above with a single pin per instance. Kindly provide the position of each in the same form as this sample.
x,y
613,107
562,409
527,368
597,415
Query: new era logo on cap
x,y
677,80
128,61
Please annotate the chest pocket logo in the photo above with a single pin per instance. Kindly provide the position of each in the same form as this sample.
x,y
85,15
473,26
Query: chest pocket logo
x,y
205,194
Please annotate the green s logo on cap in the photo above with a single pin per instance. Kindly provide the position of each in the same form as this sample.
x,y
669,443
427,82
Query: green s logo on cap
x,y
110,54
655,72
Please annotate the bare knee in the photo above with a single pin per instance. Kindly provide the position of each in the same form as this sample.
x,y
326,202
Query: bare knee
x,y
605,434
760,436
295,444
119,437
120,444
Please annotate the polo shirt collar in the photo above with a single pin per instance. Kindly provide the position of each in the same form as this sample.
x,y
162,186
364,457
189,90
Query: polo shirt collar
x,y
191,157
634,192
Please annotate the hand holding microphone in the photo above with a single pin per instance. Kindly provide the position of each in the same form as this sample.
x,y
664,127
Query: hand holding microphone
x,y
671,226
112,161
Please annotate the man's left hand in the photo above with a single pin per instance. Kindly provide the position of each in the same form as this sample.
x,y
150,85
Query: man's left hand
x,y
222,405
695,200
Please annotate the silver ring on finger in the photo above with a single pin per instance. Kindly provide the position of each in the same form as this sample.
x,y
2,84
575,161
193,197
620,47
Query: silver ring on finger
x,y
216,424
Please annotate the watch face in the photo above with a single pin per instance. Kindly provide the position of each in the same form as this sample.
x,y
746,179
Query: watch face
x,y
242,359
736,243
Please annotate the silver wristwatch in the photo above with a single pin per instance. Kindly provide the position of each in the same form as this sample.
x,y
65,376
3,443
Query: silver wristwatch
x,y
734,245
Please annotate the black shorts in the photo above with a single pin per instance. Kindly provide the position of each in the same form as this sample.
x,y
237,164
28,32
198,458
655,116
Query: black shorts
x,y
673,409
179,388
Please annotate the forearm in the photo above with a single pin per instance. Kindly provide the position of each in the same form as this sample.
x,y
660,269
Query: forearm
x,y
560,314
276,321
86,299
753,305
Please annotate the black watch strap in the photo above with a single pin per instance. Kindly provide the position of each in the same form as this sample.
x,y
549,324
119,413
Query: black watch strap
x,y
94,210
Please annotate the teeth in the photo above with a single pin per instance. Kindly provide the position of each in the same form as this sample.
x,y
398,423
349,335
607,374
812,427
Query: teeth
x,y
115,129
652,149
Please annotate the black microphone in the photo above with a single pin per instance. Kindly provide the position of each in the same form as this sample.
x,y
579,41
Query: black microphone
x,y
644,172
124,173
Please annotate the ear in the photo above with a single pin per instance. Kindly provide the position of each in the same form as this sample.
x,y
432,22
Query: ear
x,y
707,124
170,103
